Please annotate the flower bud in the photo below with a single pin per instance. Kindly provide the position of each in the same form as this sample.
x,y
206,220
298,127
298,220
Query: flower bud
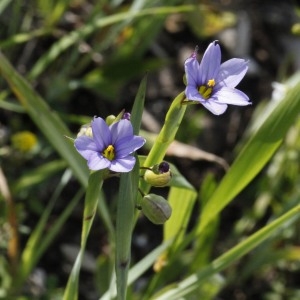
x,y
159,175
85,130
156,208
126,116
110,119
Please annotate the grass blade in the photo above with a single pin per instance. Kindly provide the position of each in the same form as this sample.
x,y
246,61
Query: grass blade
x,y
192,282
255,154
45,119
90,207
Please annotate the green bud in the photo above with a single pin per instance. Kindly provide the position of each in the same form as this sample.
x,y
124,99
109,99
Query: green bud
x,y
159,175
110,119
85,130
156,208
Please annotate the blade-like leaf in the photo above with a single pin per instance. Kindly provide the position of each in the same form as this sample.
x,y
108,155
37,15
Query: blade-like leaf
x,y
45,119
140,268
255,154
126,203
182,202
192,282
90,206
38,242
86,30
138,106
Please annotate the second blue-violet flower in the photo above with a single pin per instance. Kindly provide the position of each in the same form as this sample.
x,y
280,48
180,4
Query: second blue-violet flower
x,y
109,146
213,84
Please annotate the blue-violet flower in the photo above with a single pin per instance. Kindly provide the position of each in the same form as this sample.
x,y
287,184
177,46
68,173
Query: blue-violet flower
x,y
109,146
212,83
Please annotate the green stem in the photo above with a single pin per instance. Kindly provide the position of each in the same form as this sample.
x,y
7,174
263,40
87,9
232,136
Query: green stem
x,y
90,206
124,227
166,136
128,193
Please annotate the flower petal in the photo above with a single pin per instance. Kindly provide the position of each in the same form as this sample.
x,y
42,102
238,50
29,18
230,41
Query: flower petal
x,y
192,73
85,146
231,72
98,162
122,165
232,96
192,93
126,146
214,107
210,63
101,133
120,129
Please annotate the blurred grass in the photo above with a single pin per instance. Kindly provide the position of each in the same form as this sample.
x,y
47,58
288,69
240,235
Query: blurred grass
x,y
90,50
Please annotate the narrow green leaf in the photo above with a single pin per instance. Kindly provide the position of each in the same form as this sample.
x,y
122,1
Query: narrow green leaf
x,y
3,5
140,268
192,282
38,175
182,202
124,227
75,36
38,242
45,119
138,106
90,206
23,37
178,180
126,203
255,154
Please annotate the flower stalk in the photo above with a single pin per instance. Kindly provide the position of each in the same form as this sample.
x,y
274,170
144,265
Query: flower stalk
x,y
166,136
90,206
126,203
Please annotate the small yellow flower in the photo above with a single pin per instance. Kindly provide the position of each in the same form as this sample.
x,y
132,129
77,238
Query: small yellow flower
x,y
24,141
160,263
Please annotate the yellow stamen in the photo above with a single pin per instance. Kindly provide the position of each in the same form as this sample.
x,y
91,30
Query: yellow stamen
x,y
211,83
206,90
207,93
202,89
109,152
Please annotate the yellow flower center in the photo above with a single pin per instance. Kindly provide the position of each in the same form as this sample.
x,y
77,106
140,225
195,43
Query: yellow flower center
x,y
206,90
109,152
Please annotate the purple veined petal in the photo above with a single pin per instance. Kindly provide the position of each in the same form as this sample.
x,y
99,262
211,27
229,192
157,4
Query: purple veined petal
x,y
231,96
123,165
214,107
191,67
231,72
126,146
120,129
210,63
98,162
192,93
85,146
101,133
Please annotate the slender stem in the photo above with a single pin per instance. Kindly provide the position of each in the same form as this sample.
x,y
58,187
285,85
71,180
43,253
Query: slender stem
x,y
90,206
166,135
124,226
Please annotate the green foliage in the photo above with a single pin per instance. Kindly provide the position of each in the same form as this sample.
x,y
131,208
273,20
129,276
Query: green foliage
x,y
96,48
